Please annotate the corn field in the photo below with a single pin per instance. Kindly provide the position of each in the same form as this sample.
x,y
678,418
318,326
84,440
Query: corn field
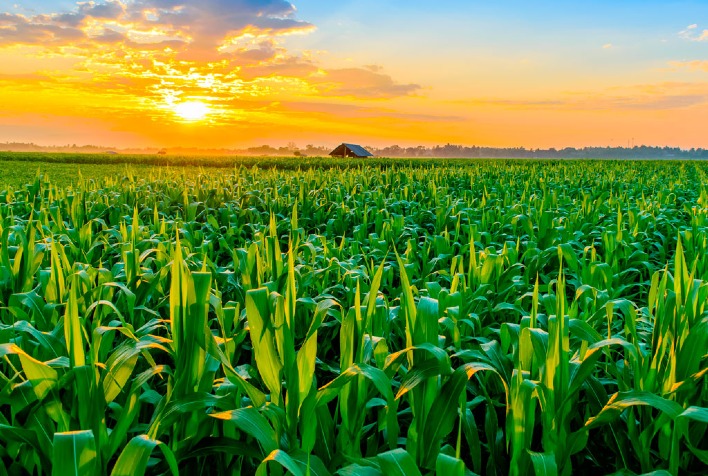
x,y
502,318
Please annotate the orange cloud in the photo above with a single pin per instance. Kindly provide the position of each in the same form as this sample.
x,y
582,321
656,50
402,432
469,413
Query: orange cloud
x,y
695,65
368,82
202,27
138,60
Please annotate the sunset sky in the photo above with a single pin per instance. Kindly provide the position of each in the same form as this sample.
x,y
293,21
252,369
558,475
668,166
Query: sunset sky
x,y
236,73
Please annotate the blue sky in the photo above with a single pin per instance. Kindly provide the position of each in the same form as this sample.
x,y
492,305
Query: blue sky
x,y
645,32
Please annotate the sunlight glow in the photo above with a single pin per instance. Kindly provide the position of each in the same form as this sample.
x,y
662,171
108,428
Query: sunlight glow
x,y
191,110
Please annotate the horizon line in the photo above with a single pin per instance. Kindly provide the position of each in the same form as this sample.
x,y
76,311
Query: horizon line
x,y
321,146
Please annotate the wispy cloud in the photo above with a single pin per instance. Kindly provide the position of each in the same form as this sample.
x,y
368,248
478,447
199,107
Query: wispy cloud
x,y
693,33
368,82
695,65
655,97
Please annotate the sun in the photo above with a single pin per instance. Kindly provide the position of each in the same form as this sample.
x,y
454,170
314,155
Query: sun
x,y
191,110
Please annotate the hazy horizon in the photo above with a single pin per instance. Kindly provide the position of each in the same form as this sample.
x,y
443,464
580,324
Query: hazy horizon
x,y
237,73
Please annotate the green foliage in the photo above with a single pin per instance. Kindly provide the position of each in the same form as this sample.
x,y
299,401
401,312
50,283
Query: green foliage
x,y
354,318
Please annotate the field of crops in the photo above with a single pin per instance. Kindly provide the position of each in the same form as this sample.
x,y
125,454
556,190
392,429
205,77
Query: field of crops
x,y
19,168
499,318
30,159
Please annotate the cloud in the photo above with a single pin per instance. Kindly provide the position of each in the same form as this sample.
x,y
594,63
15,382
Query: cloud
x,y
608,46
516,103
656,97
695,65
368,82
693,33
329,110
649,97
675,101
205,28
152,54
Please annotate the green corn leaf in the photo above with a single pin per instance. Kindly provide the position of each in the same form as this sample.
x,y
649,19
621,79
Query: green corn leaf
x,y
134,458
75,454
212,446
329,391
118,374
408,307
73,331
427,319
306,357
283,459
440,423
250,421
373,292
12,434
43,377
262,338
621,401
419,374
430,351
358,470
449,465
699,414
398,463
130,410
544,464
309,463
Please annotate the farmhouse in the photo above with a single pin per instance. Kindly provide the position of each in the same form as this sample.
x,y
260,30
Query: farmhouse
x,y
351,150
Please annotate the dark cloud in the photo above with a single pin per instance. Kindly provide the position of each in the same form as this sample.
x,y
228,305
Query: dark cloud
x,y
17,30
202,27
212,23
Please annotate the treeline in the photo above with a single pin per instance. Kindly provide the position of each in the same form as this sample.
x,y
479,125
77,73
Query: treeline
x,y
259,151
438,151
452,150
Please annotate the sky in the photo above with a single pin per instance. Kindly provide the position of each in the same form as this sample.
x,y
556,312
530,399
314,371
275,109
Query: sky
x,y
239,73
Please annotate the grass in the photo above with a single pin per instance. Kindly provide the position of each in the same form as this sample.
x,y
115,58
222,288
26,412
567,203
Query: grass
x,y
488,317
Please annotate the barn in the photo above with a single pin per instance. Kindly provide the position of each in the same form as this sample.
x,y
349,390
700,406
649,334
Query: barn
x,y
351,150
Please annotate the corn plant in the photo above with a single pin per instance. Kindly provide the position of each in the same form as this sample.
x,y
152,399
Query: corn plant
x,y
399,318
